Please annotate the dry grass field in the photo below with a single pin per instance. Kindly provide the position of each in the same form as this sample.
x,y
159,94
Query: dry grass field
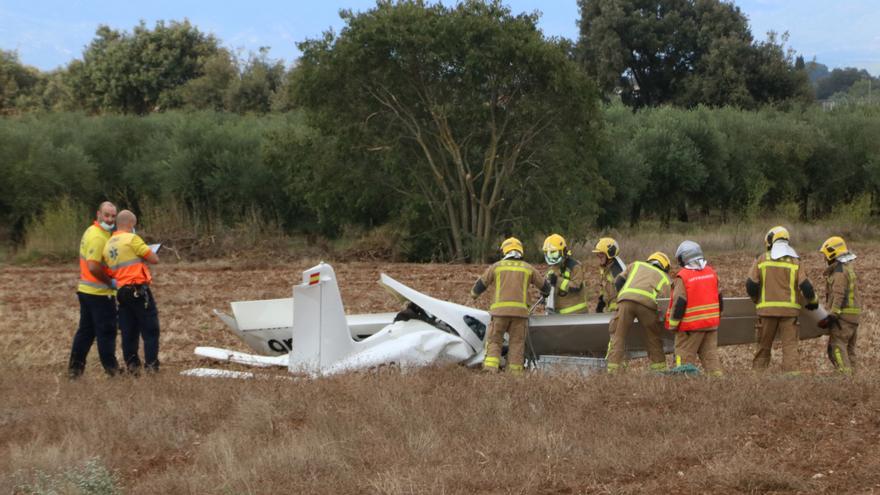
x,y
447,430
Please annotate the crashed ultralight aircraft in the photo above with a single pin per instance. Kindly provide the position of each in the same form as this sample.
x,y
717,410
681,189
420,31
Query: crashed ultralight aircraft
x,y
311,333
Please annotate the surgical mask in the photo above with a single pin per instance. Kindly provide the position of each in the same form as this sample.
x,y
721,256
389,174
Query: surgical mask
x,y
134,231
109,227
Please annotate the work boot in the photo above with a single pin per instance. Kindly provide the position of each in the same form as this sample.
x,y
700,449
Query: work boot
x,y
492,364
658,367
74,373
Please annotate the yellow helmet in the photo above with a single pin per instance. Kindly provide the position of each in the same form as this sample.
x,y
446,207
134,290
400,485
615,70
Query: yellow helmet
x,y
511,244
774,234
833,247
660,259
607,246
554,249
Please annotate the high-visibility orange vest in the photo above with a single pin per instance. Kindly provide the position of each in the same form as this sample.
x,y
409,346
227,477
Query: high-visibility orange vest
x,y
703,310
124,254
90,249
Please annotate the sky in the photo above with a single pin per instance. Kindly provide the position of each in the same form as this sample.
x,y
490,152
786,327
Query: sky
x,y
50,33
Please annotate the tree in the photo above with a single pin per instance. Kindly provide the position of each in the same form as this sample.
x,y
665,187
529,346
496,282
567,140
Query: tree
x,y
208,91
839,81
465,102
863,90
141,71
255,87
816,71
20,85
685,52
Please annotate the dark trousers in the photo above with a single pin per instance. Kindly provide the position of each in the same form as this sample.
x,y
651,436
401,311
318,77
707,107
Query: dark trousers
x,y
97,321
138,319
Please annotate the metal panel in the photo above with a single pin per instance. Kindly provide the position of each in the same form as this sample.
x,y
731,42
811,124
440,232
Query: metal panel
x,y
587,334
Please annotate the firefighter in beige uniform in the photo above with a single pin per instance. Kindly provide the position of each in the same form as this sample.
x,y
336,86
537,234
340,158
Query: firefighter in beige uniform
x,y
610,267
695,307
637,299
566,277
842,303
774,282
511,278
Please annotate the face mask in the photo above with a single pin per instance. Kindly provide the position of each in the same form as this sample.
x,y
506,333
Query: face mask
x,y
134,231
108,227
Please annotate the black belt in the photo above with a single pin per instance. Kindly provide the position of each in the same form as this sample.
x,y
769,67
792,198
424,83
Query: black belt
x,y
137,291
134,286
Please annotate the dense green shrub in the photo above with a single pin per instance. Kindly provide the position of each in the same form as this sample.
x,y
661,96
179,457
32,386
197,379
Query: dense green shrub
x,y
217,169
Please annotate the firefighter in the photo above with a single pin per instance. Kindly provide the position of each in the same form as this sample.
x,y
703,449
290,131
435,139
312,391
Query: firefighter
x,y
566,277
694,312
842,303
637,299
610,267
127,255
510,308
774,282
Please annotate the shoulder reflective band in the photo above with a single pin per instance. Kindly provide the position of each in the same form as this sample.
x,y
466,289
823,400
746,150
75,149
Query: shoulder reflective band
x,y
512,267
792,279
650,295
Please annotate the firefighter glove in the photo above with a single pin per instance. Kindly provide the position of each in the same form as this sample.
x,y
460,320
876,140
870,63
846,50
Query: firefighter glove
x,y
812,305
552,279
600,306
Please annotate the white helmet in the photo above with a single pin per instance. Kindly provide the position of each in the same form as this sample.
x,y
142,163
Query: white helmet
x,y
688,251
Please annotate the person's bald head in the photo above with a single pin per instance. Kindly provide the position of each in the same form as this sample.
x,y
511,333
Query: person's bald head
x,y
126,220
106,213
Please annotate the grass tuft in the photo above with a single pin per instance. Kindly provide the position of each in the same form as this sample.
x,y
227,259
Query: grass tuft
x,y
54,235
89,478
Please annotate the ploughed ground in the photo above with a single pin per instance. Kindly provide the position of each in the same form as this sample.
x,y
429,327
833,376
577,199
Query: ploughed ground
x,y
446,430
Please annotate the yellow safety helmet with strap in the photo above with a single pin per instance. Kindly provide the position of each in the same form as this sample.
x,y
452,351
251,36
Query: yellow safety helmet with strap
x,y
554,249
660,260
775,234
833,247
607,246
511,244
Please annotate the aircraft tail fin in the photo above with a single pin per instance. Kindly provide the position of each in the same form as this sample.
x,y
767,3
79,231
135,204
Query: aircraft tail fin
x,y
320,331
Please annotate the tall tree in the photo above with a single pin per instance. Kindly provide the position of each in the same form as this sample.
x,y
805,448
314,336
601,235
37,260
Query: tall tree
x,y
20,85
839,80
260,79
816,71
140,72
465,101
685,52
